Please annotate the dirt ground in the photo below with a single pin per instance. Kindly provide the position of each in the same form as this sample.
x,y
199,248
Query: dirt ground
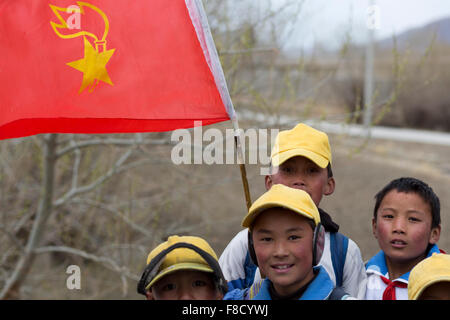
x,y
360,169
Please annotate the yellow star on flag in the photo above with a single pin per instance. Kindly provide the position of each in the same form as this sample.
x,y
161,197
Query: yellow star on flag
x,y
93,66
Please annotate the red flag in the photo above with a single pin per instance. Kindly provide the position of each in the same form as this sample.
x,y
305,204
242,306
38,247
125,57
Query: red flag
x,y
105,66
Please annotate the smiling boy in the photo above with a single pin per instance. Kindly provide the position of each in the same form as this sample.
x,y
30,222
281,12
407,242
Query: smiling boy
x,y
289,266
287,241
406,224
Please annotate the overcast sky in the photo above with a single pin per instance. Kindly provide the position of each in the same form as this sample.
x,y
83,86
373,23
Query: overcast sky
x,y
326,21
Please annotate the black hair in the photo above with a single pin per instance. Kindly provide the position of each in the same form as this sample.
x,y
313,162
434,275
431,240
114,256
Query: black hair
x,y
416,186
330,172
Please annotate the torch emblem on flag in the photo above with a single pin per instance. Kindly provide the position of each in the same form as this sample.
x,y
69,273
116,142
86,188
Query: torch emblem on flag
x,y
93,65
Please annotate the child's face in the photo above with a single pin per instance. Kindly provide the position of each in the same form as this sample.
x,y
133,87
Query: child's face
x,y
403,227
302,173
283,247
437,291
185,285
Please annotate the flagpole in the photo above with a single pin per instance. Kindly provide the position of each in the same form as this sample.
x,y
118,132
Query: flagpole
x,y
240,156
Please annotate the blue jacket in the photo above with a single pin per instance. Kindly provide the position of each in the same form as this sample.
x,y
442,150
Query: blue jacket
x,y
319,289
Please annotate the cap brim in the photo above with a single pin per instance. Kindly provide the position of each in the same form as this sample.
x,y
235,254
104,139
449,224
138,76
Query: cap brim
x,y
281,157
429,283
248,220
178,267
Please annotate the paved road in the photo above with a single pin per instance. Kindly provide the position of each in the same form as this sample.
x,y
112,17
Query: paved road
x,y
379,132
376,132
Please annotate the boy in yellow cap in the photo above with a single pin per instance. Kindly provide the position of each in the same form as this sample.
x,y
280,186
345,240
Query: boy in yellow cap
x,y
286,241
182,268
430,279
301,159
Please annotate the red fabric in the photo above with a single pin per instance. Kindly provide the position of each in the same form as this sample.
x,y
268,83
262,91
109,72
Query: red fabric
x,y
389,292
156,78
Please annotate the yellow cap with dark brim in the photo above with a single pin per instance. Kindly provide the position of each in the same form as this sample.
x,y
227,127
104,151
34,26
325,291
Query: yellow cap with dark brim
x,y
178,267
304,141
282,196
181,258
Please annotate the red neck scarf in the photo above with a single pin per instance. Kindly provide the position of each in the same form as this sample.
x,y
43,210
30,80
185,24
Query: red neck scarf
x,y
389,292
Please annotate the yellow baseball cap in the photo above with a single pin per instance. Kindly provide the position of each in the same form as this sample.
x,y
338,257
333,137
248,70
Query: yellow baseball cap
x,y
303,141
181,258
280,195
427,272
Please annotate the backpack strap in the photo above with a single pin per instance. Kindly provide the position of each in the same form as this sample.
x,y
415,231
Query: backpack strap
x,y
249,270
251,292
338,246
338,294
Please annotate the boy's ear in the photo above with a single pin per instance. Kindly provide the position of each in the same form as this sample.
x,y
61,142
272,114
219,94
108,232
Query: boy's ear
x,y
329,188
435,234
268,182
374,227
219,295
149,295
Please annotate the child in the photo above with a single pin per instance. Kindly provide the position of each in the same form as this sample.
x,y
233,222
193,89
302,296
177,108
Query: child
x,y
406,224
182,268
301,159
430,279
287,241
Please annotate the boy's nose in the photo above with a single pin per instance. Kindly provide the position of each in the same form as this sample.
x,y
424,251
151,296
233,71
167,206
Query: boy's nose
x,y
280,249
399,225
185,295
298,182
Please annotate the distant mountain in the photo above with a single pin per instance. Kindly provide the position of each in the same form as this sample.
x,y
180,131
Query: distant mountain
x,y
420,38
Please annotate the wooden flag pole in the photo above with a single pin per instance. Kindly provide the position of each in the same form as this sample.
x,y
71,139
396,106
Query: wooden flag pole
x,y
240,156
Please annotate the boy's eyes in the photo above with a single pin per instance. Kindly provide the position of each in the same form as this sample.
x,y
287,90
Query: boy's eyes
x,y
199,283
171,286
291,237
286,169
168,287
313,169
390,216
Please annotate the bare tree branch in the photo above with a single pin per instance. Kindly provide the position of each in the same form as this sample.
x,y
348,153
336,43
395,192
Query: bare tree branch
x,y
105,261
76,163
76,191
43,212
111,209
110,141
11,236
